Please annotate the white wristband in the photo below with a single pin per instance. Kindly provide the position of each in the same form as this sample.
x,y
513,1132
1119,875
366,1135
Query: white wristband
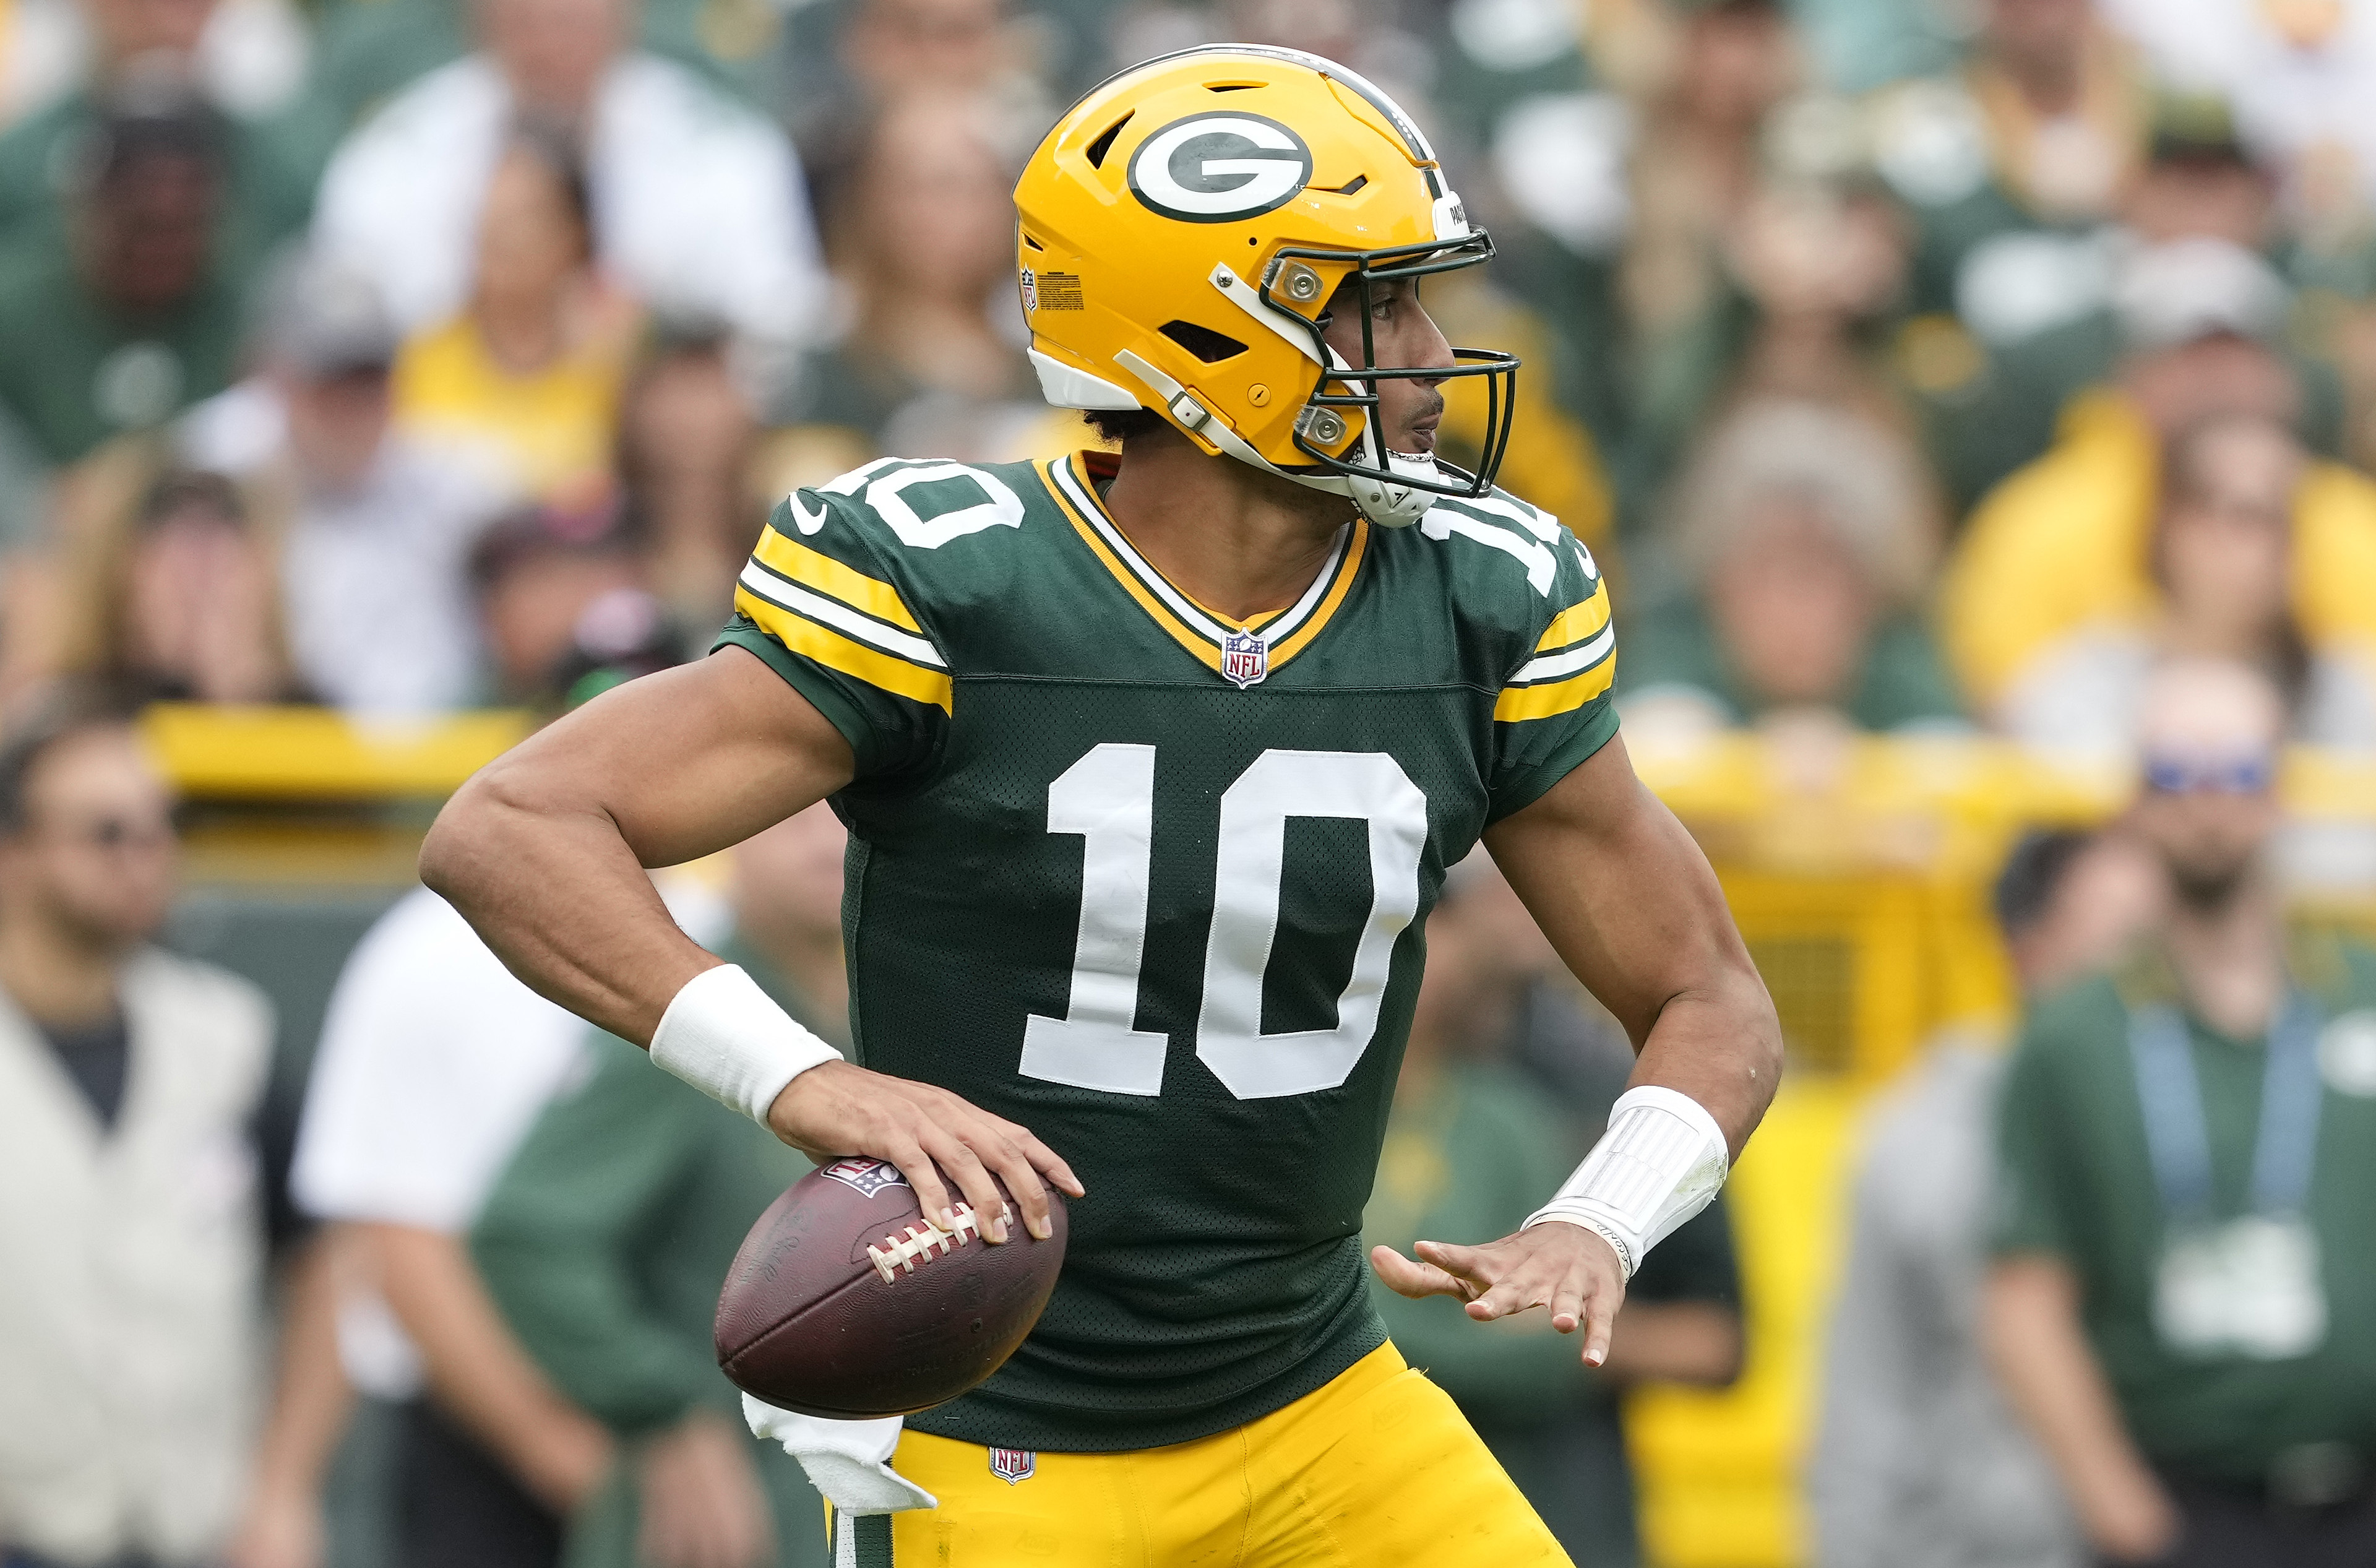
x,y
723,1034
1660,1162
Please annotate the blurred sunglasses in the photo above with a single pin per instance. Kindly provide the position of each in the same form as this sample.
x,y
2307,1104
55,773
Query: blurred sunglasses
x,y
116,834
2187,776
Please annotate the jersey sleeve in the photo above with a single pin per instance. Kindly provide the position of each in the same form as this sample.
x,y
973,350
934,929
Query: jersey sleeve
x,y
818,605
1555,708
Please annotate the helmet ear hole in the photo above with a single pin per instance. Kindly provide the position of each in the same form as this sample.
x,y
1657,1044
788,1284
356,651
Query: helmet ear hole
x,y
1096,150
1202,341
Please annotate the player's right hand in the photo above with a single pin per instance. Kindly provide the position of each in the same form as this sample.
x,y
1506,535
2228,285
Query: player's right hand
x,y
841,1108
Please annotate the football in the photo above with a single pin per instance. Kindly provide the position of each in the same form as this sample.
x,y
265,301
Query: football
x,y
845,1302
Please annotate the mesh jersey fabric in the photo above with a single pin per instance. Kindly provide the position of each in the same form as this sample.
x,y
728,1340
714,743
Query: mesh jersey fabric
x,y
1068,826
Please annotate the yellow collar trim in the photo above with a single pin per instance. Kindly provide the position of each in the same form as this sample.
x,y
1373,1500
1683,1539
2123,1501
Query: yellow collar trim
x,y
1171,608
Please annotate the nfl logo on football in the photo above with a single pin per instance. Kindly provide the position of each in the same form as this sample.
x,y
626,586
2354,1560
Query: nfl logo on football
x,y
1012,1464
869,1176
1030,290
1246,658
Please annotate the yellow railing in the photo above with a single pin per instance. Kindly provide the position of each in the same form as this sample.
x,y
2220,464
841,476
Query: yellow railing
x,y
312,754
1860,878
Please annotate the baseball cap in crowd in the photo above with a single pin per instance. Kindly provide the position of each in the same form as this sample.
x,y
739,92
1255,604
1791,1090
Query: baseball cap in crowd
x,y
324,320
2181,290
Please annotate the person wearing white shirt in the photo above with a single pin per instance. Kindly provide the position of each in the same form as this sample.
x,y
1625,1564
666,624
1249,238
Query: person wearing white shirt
x,y
374,554
700,207
433,1062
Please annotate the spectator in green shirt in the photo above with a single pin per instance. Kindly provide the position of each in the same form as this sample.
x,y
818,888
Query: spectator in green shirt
x,y
605,1242
130,314
2183,1302
1504,1084
1800,551
142,47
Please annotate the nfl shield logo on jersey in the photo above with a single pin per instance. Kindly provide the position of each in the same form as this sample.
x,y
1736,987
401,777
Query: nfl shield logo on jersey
x,y
1246,658
869,1176
1012,1464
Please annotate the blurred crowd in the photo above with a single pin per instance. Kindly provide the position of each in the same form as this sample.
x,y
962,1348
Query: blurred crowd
x,y
1918,362
1989,365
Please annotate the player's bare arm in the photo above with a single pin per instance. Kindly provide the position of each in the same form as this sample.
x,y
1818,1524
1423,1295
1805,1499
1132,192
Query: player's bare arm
x,y
1630,903
545,849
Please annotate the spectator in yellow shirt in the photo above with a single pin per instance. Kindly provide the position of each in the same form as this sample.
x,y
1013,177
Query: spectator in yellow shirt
x,y
2065,542
528,377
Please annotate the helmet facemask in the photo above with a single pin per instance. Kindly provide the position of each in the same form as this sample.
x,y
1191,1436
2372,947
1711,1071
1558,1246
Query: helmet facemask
x,y
1393,489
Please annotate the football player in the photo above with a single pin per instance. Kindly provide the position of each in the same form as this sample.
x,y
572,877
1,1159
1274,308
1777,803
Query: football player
x,y
1152,766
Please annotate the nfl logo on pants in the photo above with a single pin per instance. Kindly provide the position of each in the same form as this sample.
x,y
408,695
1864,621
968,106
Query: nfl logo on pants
x,y
1012,1464
1246,658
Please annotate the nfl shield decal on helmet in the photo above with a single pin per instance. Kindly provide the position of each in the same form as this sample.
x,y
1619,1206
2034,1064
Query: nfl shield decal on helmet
x,y
1246,658
1030,290
869,1176
1012,1464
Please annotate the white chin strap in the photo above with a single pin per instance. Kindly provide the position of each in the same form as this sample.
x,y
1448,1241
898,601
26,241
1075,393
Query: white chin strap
x,y
1388,505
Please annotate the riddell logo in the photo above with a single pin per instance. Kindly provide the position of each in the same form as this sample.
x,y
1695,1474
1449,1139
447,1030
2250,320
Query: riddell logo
x,y
867,1176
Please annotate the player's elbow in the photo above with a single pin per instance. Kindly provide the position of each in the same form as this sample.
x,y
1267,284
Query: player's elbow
x,y
465,842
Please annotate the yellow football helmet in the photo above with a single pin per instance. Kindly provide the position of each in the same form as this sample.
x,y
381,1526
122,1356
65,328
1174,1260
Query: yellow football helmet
x,y
1182,231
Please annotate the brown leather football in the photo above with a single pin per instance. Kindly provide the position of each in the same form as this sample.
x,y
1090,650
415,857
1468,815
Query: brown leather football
x,y
844,1302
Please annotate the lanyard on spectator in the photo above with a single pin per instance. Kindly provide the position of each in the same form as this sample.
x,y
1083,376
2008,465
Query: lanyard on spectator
x,y
2178,1140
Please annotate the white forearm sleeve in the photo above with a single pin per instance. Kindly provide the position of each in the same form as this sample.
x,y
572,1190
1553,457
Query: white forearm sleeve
x,y
1660,1162
722,1034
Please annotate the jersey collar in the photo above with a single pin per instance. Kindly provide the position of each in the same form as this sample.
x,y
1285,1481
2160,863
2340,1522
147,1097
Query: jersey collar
x,y
1203,633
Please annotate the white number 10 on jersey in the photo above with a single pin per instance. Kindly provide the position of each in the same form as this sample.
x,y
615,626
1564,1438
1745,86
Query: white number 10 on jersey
x,y
1107,798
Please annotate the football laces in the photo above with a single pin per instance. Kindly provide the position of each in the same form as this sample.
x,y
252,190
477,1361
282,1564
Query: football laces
x,y
920,1244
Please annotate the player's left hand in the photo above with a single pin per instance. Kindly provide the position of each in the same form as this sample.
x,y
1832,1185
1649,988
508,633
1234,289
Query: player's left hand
x,y
1554,1264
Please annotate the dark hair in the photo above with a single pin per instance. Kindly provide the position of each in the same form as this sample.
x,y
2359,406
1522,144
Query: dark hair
x,y
67,709
148,122
2033,876
537,529
1120,424
181,489
552,146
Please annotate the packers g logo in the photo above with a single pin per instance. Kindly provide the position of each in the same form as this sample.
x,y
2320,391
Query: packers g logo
x,y
1219,168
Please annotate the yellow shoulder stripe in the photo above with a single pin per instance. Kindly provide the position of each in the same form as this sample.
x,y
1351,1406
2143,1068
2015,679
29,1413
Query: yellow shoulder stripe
x,y
1518,704
835,652
813,569
1577,622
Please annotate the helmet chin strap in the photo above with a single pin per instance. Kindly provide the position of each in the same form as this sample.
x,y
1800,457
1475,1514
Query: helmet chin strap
x,y
1388,506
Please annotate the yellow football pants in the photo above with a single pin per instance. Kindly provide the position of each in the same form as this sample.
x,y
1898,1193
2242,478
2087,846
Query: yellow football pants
x,y
1373,1468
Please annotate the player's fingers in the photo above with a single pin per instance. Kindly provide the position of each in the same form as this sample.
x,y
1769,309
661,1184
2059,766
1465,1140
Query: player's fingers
x,y
906,1151
989,1138
1600,1323
1049,1163
1527,1285
973,1179
1406,1278
1042,1159
1475,1264
1567,1302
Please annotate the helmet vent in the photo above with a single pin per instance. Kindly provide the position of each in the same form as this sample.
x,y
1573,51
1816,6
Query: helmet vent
x,y
1229,86
1098,149
1348,188
1202,341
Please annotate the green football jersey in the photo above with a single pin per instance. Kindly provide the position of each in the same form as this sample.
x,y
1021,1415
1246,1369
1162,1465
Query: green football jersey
x,y
1151,883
